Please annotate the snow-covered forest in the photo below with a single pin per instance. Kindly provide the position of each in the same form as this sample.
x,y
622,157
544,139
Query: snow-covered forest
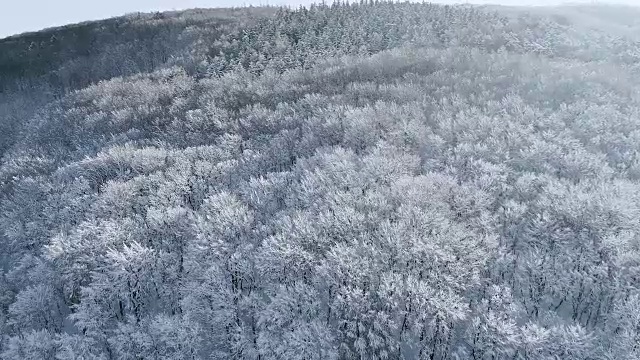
x,y
352,181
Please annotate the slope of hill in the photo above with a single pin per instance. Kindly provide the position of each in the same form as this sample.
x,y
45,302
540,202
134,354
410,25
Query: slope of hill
x,y
365,181
38,68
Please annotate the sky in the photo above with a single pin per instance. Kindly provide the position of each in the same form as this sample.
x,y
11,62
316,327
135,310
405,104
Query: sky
x,y
17,16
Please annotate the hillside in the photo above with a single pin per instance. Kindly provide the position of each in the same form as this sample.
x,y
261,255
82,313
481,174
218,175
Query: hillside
x,y
41,67
368,181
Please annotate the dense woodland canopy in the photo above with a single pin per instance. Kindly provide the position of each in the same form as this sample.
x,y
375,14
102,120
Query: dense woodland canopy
x,y
371,180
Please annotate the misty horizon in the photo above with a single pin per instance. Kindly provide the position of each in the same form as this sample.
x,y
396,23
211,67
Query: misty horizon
x,y
20,17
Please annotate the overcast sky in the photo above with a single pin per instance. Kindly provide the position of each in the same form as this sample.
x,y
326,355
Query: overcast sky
x,y
17,16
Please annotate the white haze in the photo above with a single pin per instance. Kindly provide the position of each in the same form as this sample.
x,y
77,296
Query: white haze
x,y
31,15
